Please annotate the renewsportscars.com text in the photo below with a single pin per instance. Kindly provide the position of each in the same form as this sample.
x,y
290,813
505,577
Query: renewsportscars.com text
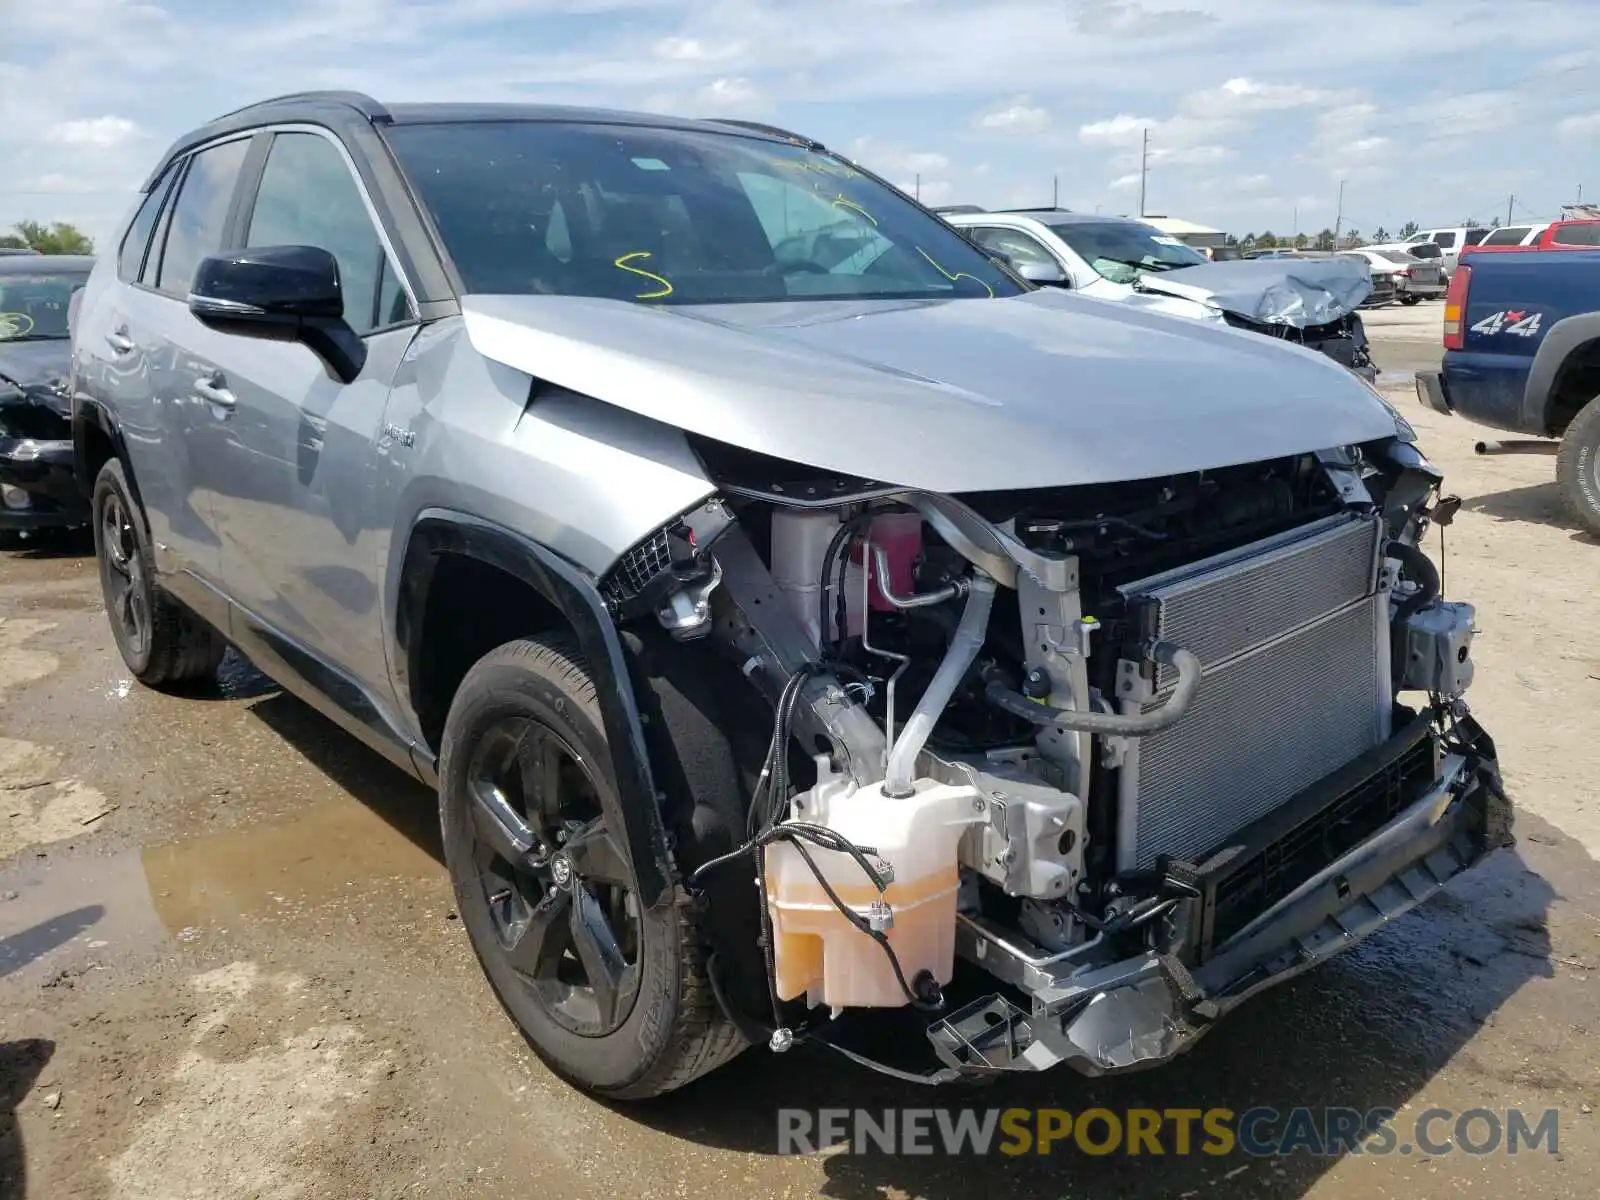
x,y
1218,1132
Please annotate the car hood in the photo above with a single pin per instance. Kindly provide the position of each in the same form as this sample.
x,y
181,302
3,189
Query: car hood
x,y
1299,292
1037,390
35,372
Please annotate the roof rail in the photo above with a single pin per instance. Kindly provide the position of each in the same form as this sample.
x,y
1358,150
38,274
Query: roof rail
x,y
360,101
1035,208
953,209
776,131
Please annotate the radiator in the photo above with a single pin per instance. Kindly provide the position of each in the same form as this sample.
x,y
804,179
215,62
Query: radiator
x,y
1292,633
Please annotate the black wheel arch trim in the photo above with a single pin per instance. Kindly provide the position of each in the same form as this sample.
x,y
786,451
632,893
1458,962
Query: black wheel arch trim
x,y
1558,345
573,592
87,414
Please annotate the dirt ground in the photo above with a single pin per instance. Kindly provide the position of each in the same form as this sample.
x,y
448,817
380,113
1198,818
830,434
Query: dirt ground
x,y
229,965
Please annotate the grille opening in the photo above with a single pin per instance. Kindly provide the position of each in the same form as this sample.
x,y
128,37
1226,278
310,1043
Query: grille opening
x,y
1253,886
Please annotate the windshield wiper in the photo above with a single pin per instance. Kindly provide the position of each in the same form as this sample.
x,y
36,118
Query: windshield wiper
x,y
34,337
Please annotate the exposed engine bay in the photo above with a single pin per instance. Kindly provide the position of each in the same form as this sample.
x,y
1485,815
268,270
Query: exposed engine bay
x,y
1088,739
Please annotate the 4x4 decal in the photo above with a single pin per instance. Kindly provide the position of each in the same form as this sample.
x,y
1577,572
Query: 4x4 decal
x,y
1515,321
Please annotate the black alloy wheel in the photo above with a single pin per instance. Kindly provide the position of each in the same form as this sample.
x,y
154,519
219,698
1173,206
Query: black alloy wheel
x,y
559,890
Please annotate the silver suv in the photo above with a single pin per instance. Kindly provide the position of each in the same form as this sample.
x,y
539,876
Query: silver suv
x,y
787,601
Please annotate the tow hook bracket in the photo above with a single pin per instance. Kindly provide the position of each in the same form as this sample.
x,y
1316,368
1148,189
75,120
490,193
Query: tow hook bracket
x,y
989,1034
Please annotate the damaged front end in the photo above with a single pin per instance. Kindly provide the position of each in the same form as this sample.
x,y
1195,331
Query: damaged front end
x,y
1134,751
1309,302
38,489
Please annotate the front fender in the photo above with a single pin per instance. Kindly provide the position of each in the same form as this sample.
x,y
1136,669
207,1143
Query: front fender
x,y
573,592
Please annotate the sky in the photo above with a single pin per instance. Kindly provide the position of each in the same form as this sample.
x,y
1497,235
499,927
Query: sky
x,y
1434,111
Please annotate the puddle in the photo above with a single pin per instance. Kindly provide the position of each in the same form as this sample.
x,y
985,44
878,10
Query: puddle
x,y
66,915
279,867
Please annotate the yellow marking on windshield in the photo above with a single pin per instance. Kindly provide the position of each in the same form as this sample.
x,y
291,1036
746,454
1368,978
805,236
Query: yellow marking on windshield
x,y
15,325
840,202
957,275
666,284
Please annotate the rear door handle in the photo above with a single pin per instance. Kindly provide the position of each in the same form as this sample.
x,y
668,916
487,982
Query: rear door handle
x,y
210,389
120,341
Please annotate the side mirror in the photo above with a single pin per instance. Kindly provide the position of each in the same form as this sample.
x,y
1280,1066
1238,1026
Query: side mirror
x,y
1044,274
274,291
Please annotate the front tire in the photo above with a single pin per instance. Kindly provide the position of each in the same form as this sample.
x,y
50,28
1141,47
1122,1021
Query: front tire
x,y
1409,301
612,996
1578,467
163,643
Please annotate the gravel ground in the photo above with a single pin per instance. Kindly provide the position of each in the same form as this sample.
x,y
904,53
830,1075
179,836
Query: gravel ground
x,y
229,965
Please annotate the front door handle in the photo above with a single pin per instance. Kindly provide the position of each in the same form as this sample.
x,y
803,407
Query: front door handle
x,y
120,341
211,389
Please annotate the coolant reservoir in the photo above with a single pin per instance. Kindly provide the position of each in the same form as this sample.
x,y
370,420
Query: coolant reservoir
x,y
800,538
816,950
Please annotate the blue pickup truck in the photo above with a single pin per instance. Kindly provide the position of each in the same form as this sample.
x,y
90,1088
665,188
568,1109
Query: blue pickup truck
x,y
1522,353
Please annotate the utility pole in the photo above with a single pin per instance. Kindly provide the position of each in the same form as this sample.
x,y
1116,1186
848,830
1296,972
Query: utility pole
x,y
1055,191
1144,169
1509,205
1296,220
1338,216
918,193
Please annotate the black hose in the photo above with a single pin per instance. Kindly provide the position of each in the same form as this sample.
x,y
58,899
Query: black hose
x,y
1419,567
1114,724
846,530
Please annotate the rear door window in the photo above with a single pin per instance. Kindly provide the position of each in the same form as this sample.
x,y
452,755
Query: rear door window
x,y
200,214
1474,236
1510,236
1585,234
130,257
1446,239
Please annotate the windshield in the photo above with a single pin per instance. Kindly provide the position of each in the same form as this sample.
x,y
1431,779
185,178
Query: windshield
x,y
1119,250
33,307
663,216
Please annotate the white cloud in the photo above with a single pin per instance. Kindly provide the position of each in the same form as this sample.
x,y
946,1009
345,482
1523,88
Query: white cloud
x,y
687,49
1123,182
1120,130
729,93
1017,117
1252,183
1580,128
98,132
1192,156
1127,18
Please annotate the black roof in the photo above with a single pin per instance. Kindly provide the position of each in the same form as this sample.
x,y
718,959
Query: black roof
x,y
44,264
336,108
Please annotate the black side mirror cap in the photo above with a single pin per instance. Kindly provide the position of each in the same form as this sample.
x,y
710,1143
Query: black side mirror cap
x,y
280,289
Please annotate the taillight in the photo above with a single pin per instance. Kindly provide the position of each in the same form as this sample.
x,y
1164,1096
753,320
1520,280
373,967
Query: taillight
x,y
1409,272
1455,308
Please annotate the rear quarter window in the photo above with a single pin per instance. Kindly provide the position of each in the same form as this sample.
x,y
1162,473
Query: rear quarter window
x,y
1446,240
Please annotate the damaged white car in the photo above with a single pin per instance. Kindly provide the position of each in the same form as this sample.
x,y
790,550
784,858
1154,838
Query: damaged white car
x,y
806,623
1305,302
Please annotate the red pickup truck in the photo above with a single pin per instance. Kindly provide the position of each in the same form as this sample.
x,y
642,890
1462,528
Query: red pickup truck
x,y
1578,234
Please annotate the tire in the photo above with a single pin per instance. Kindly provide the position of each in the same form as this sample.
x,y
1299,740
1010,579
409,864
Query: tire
x,y
1578,467
1408,301
613,997
163,643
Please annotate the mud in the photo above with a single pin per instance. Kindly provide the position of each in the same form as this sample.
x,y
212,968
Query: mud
x,y
229,964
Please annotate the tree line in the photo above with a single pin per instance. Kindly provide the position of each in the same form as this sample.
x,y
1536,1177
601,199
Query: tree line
x,y
1350,238
60,237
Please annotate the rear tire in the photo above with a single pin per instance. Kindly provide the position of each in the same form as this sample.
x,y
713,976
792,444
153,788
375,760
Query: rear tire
x,y
1408,301
613,997
1578,467
163,643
